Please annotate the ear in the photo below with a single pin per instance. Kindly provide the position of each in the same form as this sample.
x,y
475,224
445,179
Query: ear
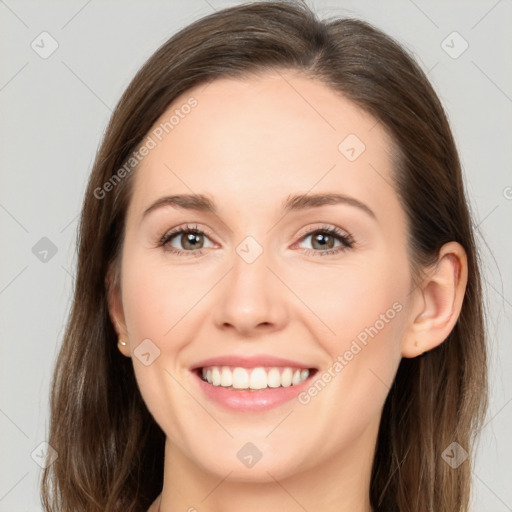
x,y
437,302
115,308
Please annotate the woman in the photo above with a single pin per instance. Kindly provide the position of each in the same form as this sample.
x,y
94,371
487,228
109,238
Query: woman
x,y
212,360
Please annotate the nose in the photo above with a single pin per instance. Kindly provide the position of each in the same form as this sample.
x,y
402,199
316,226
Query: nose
x,y
250,299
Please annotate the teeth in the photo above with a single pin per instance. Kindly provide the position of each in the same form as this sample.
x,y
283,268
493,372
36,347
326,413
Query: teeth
x,y
257,378
273,378
227,378
240,378
286,377
215,377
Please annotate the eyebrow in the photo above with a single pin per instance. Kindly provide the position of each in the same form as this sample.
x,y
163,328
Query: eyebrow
x,y
296,202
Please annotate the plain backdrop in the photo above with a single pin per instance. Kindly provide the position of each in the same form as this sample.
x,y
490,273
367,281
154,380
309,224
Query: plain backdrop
x,y
55,106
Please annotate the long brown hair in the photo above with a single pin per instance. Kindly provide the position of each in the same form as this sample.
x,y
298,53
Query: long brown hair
x,y
110,449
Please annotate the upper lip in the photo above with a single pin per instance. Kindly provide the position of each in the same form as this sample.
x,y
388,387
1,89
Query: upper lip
x,y
249,362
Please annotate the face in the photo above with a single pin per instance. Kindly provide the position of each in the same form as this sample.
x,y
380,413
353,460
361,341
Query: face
x,y
265,280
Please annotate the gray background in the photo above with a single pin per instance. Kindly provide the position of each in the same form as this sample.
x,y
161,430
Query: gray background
x,y
54,111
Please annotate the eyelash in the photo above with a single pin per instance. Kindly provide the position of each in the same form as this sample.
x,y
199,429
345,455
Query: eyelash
x,y
345,238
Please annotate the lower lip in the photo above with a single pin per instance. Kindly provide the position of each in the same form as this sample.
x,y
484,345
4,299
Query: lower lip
x,y
251,401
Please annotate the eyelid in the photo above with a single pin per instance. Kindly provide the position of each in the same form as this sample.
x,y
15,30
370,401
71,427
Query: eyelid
x,y
344,237
185,227
324,227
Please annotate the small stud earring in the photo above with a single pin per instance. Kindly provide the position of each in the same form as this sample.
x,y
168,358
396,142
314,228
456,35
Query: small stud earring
x,y
123,343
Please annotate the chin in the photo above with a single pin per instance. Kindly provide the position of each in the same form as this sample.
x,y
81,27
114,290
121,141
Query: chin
x,y
265,470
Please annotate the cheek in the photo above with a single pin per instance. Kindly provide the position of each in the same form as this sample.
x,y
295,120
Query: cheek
x,y
156,301
364,307
367,308
348,299
156,297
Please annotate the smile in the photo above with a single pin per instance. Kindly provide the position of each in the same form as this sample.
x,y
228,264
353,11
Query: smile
x,y
254,378
251,390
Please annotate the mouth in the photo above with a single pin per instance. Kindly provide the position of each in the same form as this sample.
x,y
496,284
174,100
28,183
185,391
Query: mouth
x,y
255,389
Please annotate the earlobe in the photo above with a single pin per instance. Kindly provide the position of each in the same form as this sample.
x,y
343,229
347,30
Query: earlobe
x,y
122,345
438,302
115,309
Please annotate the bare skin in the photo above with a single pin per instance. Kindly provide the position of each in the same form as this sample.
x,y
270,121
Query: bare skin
x,y
249,145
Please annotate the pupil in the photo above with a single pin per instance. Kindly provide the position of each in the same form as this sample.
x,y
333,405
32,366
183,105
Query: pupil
x,y
323,239
191,238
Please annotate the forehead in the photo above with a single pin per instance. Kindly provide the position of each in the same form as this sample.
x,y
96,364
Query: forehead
x,y
248,140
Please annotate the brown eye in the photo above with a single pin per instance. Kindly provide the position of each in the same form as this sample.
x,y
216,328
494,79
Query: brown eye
x,y
185,240
190,240
324,241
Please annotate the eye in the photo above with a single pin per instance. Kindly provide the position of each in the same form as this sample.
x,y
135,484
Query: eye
x,y
324,239
190,238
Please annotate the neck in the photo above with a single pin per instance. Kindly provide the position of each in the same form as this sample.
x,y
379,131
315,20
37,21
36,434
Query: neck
x,y
340,483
